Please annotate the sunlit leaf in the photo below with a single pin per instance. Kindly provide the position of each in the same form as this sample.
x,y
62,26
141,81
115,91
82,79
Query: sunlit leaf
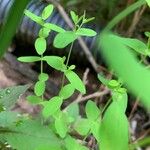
x,y
47,11
66,91
55,62
34,17
86,32
51,106
114,129
75,81
29,59
40,45
54,27
39,88
64,39
92,111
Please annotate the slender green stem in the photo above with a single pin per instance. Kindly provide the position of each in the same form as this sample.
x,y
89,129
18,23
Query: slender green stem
x,y
67,62
124,13
42,71
41,64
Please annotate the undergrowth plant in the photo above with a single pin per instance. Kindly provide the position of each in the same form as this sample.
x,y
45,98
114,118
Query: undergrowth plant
x,y
55,127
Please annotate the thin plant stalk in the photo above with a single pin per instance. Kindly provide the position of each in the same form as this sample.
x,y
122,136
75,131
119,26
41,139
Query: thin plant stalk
x,y
67,62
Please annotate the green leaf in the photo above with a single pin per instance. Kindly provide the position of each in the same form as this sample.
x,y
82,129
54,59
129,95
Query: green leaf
x,y
103,79
92,111
75,81
51,106
134,44
11,23
74,17
64,39
95,129
122,99
147,34
43,77
72,144
85,32
39,88
88,20
114,129
40,45
32,135
121,59
73,110
34,99
8,118
9,96
61,125
148,2
47,11
55,62
54,27
82,126
66,91
44,32
34,17
29,59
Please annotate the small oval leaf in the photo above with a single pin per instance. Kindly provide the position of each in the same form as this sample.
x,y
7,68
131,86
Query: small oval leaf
x,y
47,11
75,81
86,32
40,45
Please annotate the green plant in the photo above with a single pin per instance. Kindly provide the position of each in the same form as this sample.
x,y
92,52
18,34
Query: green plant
x,y
57,128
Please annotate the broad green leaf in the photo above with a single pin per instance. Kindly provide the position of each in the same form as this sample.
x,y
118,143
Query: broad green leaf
x,y
73,110
126,66
74,17
44,32
29,59
32,135
9,96
85,32
51,106
55,62
66,91
34,17
82,126
72,144
148,2
43,77
40,45
34,99
75,81
61,125
8,118
39,88
121,98
47,11
114,129
92,111
54,27
64,39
